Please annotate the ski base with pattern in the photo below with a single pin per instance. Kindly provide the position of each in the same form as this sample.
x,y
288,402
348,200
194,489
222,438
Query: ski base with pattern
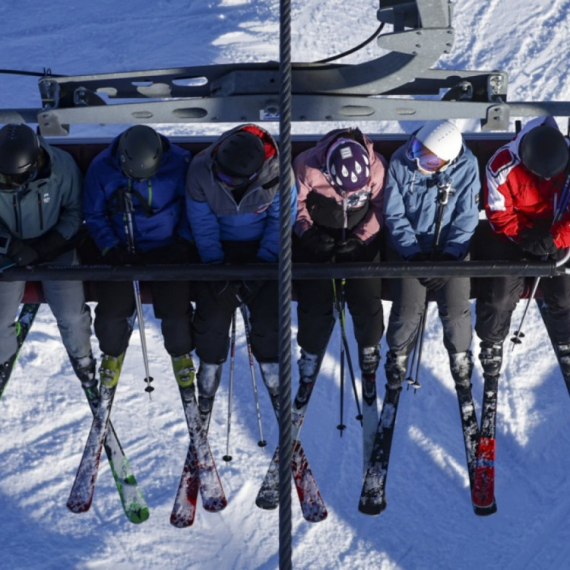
x,y
199,471
470,428
373,496
132,499
483,492
312,505
23,325
81,495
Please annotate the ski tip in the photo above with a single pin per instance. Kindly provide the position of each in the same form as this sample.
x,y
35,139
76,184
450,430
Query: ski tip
x,y
317,517
266,505
485,511
181,522
138,516
215,506
78,508
373,509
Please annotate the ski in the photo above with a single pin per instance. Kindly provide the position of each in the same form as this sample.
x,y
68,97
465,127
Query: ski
x,y
81,495
312,505
23,325
470,429
483,493
370,417
184,509
132,499
373,495
199,469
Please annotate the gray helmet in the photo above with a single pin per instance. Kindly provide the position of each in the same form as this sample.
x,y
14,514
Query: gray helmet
x,y
239,158
19,155
140,152
544,151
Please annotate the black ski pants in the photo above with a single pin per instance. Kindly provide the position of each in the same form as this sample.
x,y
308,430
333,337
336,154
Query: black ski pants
x,y
315,306
497,297
116,304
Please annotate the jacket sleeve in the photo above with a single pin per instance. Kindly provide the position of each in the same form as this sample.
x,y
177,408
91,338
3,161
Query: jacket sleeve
x,y
466,213
183,229
70,218
502,215
402,235
369,227
203,222
269,246
95,211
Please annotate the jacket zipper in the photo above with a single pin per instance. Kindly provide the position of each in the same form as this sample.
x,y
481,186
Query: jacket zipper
x,y
40,211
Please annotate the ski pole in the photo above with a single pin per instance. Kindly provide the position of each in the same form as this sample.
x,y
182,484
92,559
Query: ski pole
x,y
339,303
341,426
227,457
261,442
128,220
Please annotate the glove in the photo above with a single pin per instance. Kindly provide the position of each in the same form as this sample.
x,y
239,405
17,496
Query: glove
x,y
178,252
541,247
22,253
350,249
434,283
227,294
318,243
419,257
116,255
50,245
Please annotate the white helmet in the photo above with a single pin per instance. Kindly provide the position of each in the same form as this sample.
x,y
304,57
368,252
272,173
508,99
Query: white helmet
x,y
442,138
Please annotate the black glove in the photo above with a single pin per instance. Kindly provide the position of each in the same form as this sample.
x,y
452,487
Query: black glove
x,y
178,252
117,255
22,253
318,243
419,257
541,247
350,249
227,294
50,245
434,283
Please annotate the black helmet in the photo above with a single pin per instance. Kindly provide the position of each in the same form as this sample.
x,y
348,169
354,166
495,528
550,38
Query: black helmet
x,y
140,152
19,155
239,158
544,151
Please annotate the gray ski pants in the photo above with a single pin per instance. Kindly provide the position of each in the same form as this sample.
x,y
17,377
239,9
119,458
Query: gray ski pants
x,y
67,303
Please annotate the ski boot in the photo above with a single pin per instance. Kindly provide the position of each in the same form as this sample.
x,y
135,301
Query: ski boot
x,y
110,370
270,374
461,365
208,381
395,367
84,368
491,357
184,370
369,359
309,366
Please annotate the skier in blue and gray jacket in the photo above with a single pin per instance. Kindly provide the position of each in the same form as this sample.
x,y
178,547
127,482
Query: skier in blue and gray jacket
x,y
431,213
233,208
141,172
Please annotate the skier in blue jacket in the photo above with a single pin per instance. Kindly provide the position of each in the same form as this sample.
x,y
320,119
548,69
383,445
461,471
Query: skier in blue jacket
x,y
143,172
233,208
431,213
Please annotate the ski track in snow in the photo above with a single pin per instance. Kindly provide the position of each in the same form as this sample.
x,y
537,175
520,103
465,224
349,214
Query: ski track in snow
x,y
429,522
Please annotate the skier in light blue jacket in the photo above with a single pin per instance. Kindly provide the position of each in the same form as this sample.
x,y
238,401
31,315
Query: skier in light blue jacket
x,y
431,213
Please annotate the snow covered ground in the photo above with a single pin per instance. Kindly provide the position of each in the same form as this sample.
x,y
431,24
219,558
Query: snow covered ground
x,y
429,522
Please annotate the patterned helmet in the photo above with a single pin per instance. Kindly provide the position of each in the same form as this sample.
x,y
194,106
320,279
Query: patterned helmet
x,y
348,164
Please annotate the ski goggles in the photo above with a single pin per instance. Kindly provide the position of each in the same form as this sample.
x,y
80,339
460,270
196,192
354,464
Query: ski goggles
x,y
13,181
424,158
234,181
